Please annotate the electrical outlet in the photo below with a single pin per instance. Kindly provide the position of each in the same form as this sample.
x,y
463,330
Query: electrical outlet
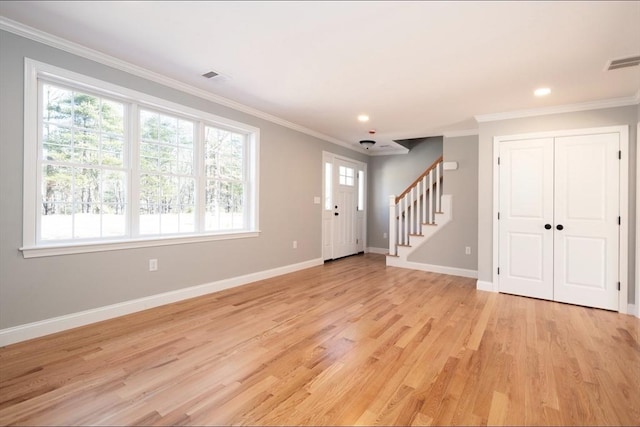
x,y
295,244
467,250
153,265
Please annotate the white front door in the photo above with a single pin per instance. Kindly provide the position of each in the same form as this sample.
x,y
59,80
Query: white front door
x,y
526,217
344,208
344,219
586,220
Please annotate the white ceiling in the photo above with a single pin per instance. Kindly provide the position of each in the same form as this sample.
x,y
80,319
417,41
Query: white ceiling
x,y
416,68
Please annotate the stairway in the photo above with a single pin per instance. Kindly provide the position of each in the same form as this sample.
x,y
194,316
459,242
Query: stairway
x,y
417,214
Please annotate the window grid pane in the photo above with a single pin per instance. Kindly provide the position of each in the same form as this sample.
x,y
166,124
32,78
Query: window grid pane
x,y
345,176
83,182
167,182
226,186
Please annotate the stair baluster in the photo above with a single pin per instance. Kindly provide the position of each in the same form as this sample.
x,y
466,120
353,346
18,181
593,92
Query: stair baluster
x,y
438,188
415,208
393,225
424,200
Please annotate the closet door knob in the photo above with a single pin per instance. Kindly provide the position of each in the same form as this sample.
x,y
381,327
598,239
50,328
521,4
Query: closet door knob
x,y
547,226
559,227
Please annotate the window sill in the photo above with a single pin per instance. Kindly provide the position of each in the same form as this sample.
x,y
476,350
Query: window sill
x,y
80,248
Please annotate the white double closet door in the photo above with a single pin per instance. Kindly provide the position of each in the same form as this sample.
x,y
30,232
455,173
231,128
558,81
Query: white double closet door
x,y
559,219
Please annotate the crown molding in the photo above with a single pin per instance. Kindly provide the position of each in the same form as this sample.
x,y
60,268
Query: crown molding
x,y
113,62
393,151
569,108
457,133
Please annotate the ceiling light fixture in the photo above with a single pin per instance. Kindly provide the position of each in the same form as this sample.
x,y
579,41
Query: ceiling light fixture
x,y
543,91
363,118
367,143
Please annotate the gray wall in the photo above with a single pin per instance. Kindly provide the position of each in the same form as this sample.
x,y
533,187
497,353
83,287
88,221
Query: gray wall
x,y
583,119
40,288
390,175
447,246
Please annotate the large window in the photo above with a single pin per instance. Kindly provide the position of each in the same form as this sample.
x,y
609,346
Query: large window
x,y
106,165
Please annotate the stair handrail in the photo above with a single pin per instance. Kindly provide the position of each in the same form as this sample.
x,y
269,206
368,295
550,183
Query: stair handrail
x,y
425,173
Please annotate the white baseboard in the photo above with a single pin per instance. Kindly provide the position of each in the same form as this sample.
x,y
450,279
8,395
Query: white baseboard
x,y
56,324
632,309
397,262
481,285
381,251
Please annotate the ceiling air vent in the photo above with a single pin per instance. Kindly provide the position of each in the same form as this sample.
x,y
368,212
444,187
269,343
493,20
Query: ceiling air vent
x,y
631,61
210,74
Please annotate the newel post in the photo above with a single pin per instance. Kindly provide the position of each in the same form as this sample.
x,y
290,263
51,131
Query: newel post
x,y
392,225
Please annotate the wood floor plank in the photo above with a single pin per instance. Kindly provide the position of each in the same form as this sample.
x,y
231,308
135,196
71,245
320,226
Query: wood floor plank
x,y
352,342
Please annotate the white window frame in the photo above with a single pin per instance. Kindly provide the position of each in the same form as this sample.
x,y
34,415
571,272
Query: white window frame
x,y
134,100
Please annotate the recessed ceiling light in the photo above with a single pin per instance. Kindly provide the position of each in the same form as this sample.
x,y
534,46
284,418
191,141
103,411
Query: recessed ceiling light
x,y
363,118
543,91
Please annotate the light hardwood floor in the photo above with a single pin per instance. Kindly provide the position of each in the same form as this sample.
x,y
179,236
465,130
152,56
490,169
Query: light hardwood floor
x,y
350,342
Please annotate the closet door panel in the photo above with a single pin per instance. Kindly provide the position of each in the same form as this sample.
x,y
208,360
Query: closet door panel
x,y
586,209
526,206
